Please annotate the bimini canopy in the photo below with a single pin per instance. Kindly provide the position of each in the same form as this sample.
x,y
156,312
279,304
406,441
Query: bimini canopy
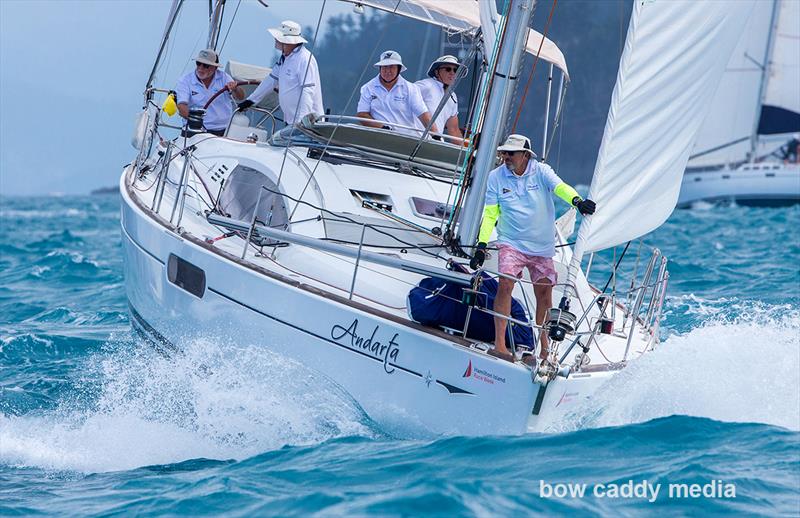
x,y
462,15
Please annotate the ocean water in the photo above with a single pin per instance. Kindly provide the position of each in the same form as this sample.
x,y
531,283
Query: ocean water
x,y
92,421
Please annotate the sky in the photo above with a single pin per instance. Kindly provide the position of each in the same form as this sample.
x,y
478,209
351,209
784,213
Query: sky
x,y
72,75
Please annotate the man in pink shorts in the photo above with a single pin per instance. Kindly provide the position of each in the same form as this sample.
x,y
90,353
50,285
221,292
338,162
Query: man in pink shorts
x,y
519,200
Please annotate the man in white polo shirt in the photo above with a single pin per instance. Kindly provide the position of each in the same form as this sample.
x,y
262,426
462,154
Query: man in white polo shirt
x,y
196,88
295,76
441,76
519,199
388,99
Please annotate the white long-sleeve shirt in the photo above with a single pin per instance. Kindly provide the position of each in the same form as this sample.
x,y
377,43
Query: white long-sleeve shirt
x,y
294,83
432,92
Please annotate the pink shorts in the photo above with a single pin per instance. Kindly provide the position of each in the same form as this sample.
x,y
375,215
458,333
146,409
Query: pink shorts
x,y
511,262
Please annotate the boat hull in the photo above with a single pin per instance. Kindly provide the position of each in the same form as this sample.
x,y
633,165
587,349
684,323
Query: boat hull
x,y
764,184
407,379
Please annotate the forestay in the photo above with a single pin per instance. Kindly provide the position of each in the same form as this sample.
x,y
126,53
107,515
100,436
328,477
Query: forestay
x,y
674,56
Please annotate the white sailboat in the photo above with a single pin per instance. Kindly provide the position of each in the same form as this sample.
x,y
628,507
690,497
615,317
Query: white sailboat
x,y
747,150
311,250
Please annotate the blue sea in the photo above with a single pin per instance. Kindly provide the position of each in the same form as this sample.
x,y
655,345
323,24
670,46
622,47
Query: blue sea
x,y
94,422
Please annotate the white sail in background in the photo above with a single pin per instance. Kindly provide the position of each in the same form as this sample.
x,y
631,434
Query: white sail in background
x,y
724,137
675,54
781,105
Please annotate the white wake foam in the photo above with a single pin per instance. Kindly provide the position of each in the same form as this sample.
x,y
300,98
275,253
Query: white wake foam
x,y
743,368
205,404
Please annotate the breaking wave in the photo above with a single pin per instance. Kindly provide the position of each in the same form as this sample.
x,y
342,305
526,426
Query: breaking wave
x,y
134,407
740,363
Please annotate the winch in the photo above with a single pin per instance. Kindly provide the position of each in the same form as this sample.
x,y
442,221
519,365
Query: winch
x,y
194,123
561,321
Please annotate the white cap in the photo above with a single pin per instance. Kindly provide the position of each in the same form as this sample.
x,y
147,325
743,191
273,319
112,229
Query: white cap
x,y
443,60
390,57
288,32
517,143
208,57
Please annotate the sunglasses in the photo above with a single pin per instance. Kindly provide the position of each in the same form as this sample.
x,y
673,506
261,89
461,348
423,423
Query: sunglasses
x,y
203,65
509,153
448,69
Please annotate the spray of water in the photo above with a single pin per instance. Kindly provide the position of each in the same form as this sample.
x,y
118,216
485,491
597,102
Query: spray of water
x,y
137,408
742,364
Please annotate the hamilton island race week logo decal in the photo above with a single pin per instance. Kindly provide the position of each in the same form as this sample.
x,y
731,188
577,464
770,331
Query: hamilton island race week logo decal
x,y
384,351
482,375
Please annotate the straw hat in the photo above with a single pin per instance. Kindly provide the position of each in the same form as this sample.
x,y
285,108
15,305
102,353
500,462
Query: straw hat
x,y
288,32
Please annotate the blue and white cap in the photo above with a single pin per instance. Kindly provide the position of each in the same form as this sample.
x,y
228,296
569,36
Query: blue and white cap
x,y
390,57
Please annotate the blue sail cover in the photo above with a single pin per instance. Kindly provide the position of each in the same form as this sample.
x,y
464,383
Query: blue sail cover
x,y
436,302
776,120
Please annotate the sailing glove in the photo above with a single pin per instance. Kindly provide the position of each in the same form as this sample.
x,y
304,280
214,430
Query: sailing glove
x,y
585,207
479,256
245,104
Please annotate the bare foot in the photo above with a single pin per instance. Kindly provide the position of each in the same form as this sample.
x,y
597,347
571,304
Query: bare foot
x,y
503,354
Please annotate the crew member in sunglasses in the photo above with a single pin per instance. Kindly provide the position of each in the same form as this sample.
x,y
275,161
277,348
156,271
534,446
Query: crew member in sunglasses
x,y
441,76
195,88
519,200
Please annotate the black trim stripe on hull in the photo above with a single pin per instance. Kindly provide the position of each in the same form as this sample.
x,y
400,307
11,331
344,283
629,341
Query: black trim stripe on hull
x,y
450,388
151,334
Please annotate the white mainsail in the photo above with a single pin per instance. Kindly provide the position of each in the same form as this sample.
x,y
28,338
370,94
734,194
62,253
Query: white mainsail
x,y
724,137
675,54
780,112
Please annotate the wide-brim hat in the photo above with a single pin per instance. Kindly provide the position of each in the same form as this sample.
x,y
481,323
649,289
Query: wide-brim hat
x,y
288,32
391,57
447,59
208,57
517,143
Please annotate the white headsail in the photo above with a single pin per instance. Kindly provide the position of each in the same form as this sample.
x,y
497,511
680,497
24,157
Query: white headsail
x,y
675,54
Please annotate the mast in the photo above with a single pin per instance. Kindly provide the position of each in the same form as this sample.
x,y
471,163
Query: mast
x,y
215,23
764,78
505,80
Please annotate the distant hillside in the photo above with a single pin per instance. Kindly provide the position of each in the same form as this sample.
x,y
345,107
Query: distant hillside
x,y
106,190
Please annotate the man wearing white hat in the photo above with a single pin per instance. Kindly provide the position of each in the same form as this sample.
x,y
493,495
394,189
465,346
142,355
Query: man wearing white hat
x,y
441,76
195,88
519,200
295,76
389,99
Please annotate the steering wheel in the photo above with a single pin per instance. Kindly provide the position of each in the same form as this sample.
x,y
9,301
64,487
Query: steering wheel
x,y
225,89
